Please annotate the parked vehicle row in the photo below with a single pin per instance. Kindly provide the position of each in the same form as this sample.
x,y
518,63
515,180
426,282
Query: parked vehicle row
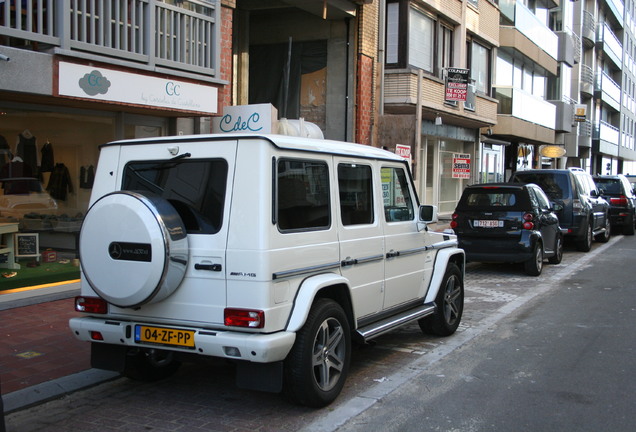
x,y
527,220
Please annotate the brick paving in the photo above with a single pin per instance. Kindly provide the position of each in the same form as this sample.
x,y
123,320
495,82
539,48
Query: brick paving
x,y
37,346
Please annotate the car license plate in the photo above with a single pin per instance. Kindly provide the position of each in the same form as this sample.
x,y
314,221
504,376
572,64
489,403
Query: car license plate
x,y
164,336
489,223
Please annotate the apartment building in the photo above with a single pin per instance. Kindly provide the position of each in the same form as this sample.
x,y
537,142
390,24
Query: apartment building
x,y
450,142
77,74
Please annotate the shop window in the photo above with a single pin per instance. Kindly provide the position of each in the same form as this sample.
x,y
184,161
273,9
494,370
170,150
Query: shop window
x,y
395,193
302,198
356,194
195,188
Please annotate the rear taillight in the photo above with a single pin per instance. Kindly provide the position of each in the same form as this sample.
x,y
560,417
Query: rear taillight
x,y
91,305
528,221
244,318
453,222
619,201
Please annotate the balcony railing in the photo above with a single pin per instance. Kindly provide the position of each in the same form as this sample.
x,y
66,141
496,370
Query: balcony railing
x,y
589,28
151,32
523,105
617,7
606,132
609,90
611,45
531,26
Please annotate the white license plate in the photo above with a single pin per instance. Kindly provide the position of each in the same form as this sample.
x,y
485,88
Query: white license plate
x,y
488,223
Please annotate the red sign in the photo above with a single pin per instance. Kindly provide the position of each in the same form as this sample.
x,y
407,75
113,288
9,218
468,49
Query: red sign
x,y
461,166
456,84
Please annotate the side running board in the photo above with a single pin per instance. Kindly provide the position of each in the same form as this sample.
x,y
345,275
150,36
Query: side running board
x,y
386,325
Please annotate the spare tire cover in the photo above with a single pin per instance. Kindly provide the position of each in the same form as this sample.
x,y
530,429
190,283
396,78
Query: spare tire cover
x,y
133,248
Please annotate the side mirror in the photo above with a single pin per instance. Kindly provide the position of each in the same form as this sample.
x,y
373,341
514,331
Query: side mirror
x,y
428,213
594,193
556,207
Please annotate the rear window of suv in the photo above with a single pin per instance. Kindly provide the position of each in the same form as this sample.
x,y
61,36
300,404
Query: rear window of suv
x,y
480,198
196,189
554,185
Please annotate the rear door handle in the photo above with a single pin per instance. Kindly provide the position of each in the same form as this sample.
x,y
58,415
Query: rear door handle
x,y
209,267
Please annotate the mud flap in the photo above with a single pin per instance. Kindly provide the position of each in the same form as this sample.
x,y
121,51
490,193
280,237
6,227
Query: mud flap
x,y
267,377
108,357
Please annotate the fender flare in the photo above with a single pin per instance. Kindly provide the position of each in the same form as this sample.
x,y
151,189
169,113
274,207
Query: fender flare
x,y
306,294
441,263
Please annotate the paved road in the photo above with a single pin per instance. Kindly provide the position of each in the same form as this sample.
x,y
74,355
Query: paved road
x,y
202,395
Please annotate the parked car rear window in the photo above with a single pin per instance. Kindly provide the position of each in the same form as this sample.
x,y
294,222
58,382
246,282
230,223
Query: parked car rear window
x,y
484,198
609,185
555,186
302,195
196,189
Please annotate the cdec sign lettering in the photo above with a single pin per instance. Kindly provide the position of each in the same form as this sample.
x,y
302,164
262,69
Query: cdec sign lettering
x,y
228,124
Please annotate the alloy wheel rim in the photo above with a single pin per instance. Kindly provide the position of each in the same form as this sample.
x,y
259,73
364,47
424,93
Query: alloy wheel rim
x,y
329,354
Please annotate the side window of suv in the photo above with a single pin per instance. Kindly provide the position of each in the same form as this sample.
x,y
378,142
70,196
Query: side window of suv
x,y
582,186
398,205
302,198
356,194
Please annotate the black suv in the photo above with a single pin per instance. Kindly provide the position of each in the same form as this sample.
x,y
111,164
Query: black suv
x,y
508,222
584,213
617,190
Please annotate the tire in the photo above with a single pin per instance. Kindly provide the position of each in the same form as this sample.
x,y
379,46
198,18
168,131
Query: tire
x,y
150,365
318,364
558,251
628,229
450,305
604,237
534,265
585,244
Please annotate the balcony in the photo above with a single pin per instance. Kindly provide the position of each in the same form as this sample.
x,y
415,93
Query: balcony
x,y
617,8
526,23
400,97
525,116
608,90
612,47
588,30
606,137
587,80
146,34
564,115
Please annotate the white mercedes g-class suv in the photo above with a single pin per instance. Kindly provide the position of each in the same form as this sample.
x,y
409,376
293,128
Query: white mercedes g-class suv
x,y
273,251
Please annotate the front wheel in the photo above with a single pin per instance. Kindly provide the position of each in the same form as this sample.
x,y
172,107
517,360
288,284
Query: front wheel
x,y
449,305
628,229
317,366
535,264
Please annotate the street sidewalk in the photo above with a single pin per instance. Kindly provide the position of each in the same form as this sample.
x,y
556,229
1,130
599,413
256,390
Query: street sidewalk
x,y
39,357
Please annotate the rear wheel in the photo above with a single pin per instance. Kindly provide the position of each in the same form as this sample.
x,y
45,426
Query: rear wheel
x,y
558,251
535,264
605,236
585,244
450,305
317,366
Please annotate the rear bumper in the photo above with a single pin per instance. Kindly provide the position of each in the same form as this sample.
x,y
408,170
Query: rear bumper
x,y
254,347
497,250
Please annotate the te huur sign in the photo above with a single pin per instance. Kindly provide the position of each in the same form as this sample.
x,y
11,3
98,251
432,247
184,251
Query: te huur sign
x,y
456,87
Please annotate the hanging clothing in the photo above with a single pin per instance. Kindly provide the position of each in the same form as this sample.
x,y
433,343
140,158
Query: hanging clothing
x,y
27,150
60,182
47,161
87,177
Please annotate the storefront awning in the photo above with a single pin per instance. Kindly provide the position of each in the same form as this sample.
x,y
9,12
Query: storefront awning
x,y
488,140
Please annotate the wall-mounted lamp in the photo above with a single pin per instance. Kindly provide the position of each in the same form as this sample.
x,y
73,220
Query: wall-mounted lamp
x,y
489,131
438,120
4,57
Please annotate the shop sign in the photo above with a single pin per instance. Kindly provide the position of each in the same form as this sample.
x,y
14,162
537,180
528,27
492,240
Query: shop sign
x,y
580,112
102,84
404,151
461,166
552,151
257,118
456,84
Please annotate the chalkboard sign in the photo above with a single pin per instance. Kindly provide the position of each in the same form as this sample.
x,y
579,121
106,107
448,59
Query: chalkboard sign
x,y
27,245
